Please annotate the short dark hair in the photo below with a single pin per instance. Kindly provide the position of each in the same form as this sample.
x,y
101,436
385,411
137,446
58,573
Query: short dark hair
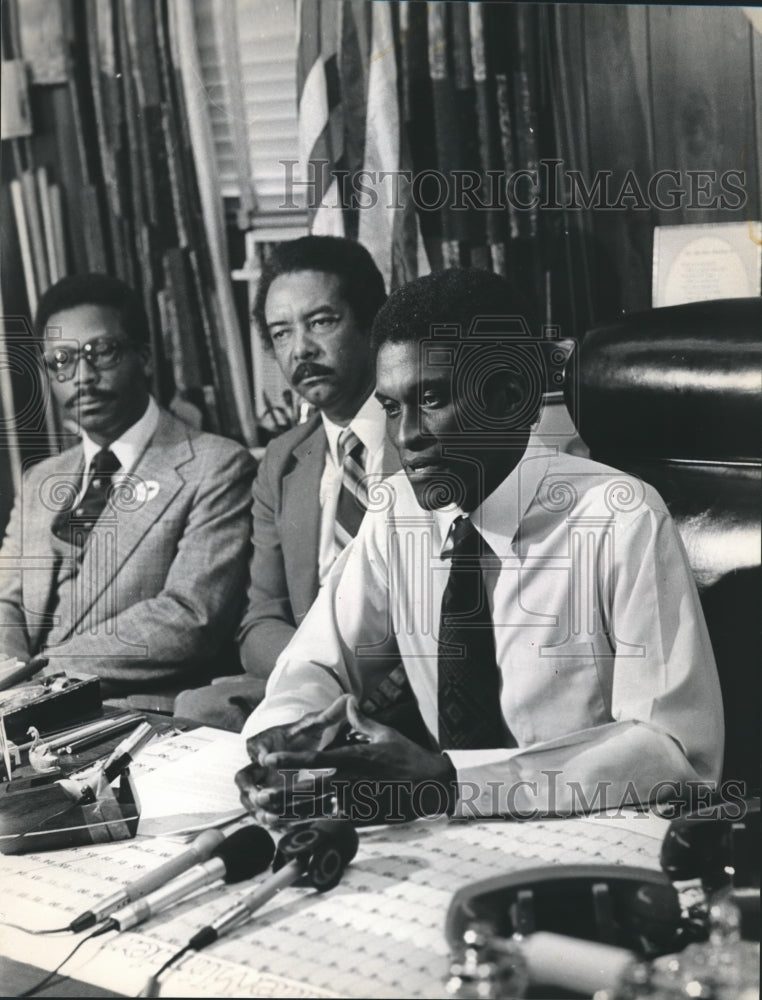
x,y
362,284
455,296
97,290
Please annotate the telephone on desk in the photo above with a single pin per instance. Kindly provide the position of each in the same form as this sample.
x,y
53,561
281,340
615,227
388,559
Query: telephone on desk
x,y
616,932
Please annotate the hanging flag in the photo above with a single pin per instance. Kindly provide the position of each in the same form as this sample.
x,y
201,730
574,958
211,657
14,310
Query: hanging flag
x,y
382,142
388,222
354,65
352,148
321,125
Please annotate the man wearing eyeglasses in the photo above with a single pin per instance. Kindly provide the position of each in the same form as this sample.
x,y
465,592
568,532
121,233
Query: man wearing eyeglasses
x,y
125,556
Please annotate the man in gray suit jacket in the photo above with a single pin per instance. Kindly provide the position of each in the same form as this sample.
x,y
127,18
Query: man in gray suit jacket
x,y
315,304
126,555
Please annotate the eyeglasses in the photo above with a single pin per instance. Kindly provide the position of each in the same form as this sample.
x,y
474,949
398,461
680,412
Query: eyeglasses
x,y
101,354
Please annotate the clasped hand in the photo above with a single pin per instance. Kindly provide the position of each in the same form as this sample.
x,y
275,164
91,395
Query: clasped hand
x,y
378,754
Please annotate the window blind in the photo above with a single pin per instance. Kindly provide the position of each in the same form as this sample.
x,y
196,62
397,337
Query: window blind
x,y
266,58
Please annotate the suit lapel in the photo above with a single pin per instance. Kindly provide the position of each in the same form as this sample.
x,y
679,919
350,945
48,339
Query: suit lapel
x,y
138,503
63,474
300,514
300,519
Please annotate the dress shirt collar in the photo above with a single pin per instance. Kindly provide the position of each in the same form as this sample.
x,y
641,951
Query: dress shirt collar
x,y
129,447
369,424
498,517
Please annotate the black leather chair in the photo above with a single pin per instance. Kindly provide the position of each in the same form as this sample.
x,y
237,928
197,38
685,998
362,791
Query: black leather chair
x,y
674,395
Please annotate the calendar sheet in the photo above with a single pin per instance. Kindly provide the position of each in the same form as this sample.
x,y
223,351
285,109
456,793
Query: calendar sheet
x,y
380,933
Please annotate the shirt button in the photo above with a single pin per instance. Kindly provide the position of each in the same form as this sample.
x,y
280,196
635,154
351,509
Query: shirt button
x,y
96,484
79,511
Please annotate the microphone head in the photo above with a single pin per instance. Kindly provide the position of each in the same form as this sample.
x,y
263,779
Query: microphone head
x,y
206,842
246,853
342,834
303,839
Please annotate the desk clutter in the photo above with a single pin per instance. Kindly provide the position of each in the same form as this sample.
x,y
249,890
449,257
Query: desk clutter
x,y
608,932
381,931
50,703
83,807
60,763
200,902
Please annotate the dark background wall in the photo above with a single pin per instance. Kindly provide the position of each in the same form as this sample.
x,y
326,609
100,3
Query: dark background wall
x,y
662,88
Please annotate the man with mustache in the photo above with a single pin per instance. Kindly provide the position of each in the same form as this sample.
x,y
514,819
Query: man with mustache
x,y
126,555
315,304
542,604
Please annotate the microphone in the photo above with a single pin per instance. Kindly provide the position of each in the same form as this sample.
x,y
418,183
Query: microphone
x,y
243,854
200,850
320,849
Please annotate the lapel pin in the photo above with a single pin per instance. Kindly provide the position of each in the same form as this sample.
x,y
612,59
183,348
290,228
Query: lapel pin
x,y
146,490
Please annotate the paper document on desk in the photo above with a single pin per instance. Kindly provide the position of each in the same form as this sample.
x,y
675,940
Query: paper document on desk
x,y
379,934
186,783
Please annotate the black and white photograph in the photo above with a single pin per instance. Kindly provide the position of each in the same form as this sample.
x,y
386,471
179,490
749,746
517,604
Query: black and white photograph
x,y
380,499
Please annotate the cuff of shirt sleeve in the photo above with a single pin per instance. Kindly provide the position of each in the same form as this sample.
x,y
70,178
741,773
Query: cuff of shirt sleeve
x,y
502,794
451,786
259,721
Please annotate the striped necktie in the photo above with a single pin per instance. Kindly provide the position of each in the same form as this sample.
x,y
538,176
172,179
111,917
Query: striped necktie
x,y
74,526
353,497
469,713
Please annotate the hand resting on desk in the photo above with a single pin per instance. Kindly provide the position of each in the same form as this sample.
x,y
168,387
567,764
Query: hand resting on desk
x,y
377,757
261,785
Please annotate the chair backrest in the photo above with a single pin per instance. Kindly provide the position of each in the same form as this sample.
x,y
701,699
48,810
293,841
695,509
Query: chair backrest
x,y
674,395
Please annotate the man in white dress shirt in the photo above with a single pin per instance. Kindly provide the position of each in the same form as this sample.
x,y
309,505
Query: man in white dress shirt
x,y
593,681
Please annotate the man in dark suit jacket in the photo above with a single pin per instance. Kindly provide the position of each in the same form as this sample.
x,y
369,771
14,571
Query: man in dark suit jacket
x,y
126,555
285,572
315,304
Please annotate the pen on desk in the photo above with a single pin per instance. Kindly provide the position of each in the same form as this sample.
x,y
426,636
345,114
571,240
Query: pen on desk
x,y
21,671
99,735
71,734
87,787
124,754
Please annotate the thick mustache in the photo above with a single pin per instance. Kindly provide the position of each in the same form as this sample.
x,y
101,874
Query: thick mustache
x,y
422,462
308,369
81,394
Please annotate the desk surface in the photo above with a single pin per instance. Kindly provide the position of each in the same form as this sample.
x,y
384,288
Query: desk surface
x,y
16,977
380,933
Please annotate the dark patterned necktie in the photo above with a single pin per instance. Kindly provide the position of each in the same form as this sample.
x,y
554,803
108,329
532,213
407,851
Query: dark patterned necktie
x,y
74,525
470,717
353,498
